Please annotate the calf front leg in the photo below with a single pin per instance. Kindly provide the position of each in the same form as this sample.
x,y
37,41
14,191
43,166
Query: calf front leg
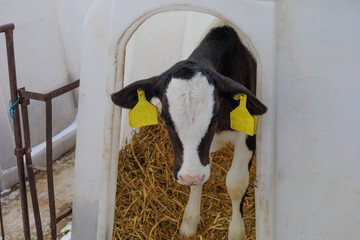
x,y
237,181
191,216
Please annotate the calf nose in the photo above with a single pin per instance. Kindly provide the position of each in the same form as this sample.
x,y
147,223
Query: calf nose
x,y
191,180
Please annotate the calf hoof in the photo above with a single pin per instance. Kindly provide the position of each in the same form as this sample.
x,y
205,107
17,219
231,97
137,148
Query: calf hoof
x,y
187,230
236,231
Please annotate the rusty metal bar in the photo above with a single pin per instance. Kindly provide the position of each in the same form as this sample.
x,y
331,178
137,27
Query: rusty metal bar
x,y
31,95
53,94
66,214
8,29
34,199
64,89
50,180
1,223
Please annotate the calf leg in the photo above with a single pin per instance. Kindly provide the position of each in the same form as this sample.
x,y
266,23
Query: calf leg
x,y
191,217
237,181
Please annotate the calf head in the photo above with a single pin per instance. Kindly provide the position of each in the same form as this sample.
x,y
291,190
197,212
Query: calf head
x,y
191,95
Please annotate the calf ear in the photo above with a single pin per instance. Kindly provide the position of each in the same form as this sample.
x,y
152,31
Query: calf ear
x,y
128,97
229,88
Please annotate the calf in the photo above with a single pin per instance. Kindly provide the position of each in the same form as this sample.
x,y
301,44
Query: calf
x,y
197,97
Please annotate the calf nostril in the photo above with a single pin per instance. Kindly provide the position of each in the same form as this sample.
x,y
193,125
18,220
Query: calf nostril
x,y
191,180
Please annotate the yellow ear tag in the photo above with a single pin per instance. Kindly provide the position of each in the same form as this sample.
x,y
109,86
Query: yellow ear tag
x,y
144,113
240,118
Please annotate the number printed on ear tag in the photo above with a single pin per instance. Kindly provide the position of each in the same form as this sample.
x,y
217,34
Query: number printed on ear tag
x,y
144,113
240,118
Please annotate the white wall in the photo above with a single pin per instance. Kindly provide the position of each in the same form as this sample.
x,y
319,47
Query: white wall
x,y
47,40
70,18
317,136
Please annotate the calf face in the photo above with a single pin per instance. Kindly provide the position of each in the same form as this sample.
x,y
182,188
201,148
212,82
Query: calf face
x,y
191,95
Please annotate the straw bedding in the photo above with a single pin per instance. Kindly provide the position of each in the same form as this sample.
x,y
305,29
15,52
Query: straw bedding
x,y
150,203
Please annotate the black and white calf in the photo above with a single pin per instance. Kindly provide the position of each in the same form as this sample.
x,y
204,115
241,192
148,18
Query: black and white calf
x,y
197,98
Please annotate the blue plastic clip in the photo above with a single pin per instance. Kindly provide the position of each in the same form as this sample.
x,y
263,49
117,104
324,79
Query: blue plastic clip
x,y
12,110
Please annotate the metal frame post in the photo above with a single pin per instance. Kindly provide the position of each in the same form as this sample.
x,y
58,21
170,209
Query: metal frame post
x,y
25,118
19,150
1,223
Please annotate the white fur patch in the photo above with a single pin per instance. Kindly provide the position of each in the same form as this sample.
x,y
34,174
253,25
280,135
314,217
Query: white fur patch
x,y
237,180
191,104
191,216
221,139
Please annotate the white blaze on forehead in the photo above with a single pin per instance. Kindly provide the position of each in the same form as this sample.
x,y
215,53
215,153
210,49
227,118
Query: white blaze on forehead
x,y
191,104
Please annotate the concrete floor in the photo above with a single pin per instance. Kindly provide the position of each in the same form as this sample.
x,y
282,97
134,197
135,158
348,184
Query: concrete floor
x,y
63,182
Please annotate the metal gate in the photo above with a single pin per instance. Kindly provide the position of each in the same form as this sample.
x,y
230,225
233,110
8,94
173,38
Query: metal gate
x,y
20,96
